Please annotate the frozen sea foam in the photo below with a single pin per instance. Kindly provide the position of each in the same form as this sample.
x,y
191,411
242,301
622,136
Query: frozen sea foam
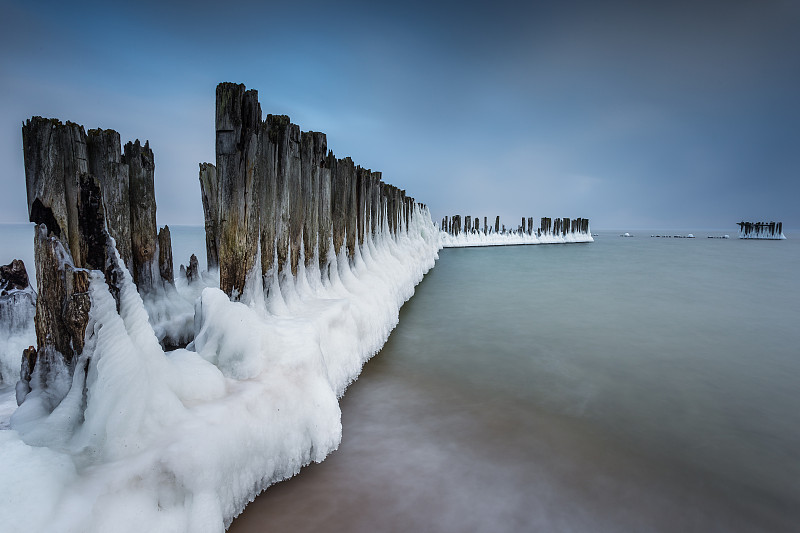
x,y
183,440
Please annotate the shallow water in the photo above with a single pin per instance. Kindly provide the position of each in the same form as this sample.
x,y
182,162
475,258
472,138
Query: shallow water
x,y
629,384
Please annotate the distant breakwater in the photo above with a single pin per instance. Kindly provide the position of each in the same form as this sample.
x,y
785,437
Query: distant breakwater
x,y
761,230
469,233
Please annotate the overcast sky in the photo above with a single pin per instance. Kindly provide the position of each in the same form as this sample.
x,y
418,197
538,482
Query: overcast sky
x,y
634,114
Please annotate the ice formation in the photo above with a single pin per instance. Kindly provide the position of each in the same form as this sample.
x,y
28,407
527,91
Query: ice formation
x,y
183,440
17,310
17,331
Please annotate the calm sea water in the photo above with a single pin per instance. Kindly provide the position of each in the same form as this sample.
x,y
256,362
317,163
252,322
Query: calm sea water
x,y
632,384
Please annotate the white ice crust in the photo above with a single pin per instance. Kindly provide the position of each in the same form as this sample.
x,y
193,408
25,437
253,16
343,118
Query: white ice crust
x,y
183,440
478,238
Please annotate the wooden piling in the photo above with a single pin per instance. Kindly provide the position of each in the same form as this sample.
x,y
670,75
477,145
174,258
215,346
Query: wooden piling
x,y
313,147
104,161
165,255
210,196
238,124
325,221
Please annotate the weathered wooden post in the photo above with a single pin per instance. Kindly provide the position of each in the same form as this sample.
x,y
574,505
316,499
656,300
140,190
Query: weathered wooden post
x,y
165,256
408,206
351,205
193,270
313,147
325,214
104,153
398,208
375,203
210,195
297,207
281,168
544,227
66,203
269,172
144,232
338,206
367,206
360,202
238,124
390,208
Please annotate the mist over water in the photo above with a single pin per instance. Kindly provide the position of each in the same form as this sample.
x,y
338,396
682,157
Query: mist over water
x,y
629,384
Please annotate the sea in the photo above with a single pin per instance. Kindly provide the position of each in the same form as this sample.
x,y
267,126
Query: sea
x,y
629,384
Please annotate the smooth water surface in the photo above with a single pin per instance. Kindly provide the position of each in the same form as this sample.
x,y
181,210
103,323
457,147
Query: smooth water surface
x,y
632,384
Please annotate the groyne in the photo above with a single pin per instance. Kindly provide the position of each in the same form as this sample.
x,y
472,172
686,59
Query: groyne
x,y
761,230
458,232
152,397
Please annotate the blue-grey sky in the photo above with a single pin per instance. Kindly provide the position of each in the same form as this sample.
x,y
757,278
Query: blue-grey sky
x,y
634,114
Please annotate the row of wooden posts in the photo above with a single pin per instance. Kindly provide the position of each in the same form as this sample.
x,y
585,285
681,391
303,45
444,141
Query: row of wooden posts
x,y
559,226
760,228
83,191
276,194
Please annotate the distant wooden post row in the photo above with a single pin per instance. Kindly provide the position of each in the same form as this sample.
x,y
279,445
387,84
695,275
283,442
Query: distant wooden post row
x,y
559,226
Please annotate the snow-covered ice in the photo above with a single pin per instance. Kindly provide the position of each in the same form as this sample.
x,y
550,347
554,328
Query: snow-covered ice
x,y
183,440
